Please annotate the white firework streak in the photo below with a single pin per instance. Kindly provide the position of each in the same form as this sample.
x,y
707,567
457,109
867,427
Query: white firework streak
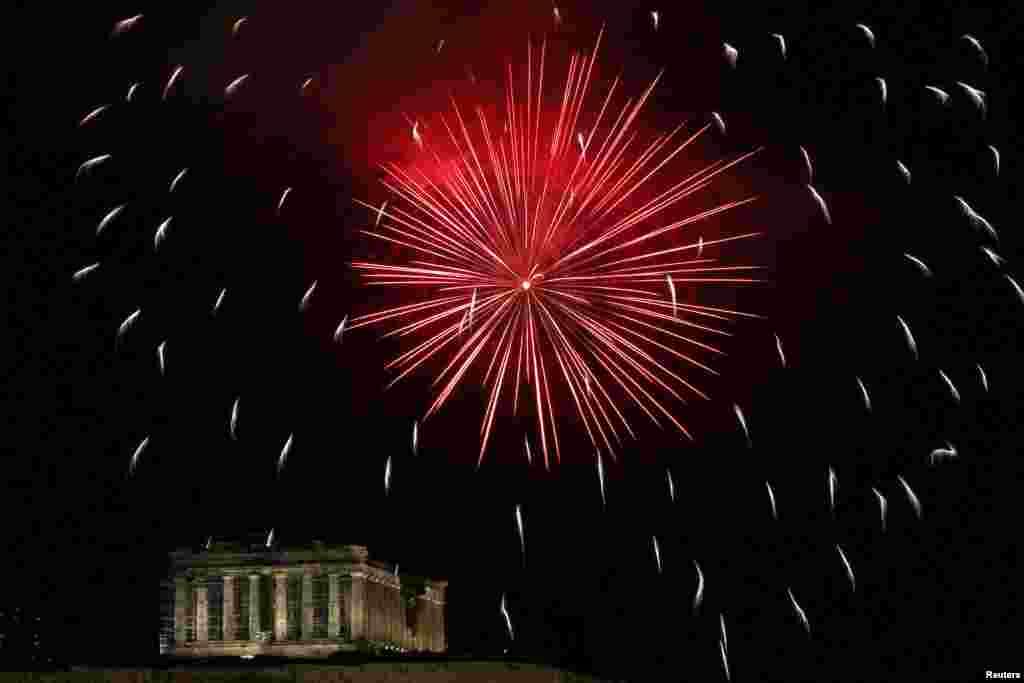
x,y
237,25
583,147
995,258
131,91
725,637
600,478
82,272
416,137
849,569
882,505
911,497
719,122
808,165
821,204
233,424
304,303
976,96
91,116
782,43
171,81
135,456
396,569
380,212
908,336
111,215
671,485
731,54
867,32
700,245
984,379
657,552
904,171
1016,288
209,542
125,25
977,220
526,442
387,476
160,350
219,301
508,620
949,383
305,84
995,157
234,85
655,17
519,525
284,195
472,307
270,538
771,499
415,437
672,293
925,270
832,483
440,44
882,86
864,394
699,595
977,46
128,322
92,163
778,347
340,330
177,179
941,453
725,659
743,422
799,612
161,233
284,452
939,93
558,16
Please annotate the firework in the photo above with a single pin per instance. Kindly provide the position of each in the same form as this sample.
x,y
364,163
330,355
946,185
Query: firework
x,y
939,93
698,597
771,499
867,34
538,247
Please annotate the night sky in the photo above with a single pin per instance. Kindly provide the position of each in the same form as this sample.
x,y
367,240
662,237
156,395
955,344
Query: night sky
x,y
85,543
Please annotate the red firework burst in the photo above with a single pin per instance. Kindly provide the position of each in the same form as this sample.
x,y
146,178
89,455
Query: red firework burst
x,y
528,251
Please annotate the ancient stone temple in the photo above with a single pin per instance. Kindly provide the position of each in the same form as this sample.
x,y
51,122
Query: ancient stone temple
x,y
234,599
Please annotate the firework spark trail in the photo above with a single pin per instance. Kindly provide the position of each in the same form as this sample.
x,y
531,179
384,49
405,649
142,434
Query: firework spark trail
x,y
671,485
977,220
771,499
508,620
304,302
725,637
911,344
981,375
219,301
128,322
867,33
387,476
807,165
657,553
995,158
778,347
131,92
699,595
976,44
280,202
161,233
995,258
782,43
340,330
92,163
237,26
925,270
949,384
538,242
800,613
725,659
904,171
135,456
305,84
911,497
1016,287
81,273
672,292
831,484
864,394
160,350
234,85
177,179
977,97
519,526
529,457
882,505
600,476
743,423
849,568
821,204
937,454
233,422
415,437
270,538
171,81
284,453
125,25
91,116
655,18
209,542
939,93
884,90
731,54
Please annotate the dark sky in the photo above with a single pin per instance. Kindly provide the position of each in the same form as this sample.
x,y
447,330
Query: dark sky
x,y
85,543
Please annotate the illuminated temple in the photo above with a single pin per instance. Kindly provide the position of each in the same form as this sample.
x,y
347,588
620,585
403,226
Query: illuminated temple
x,y
239,600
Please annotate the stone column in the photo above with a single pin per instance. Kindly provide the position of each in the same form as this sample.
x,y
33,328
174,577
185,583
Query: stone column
x,y
333,607
180,610
254,606
202,612
229,608
307,606
281,606
357,606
